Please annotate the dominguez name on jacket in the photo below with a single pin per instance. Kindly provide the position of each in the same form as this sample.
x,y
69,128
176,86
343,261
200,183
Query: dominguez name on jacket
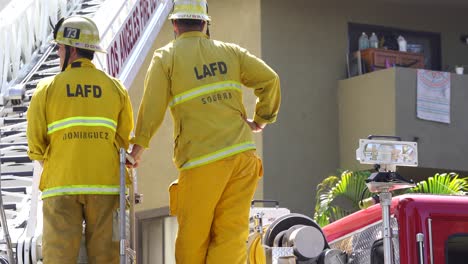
x,y
86,135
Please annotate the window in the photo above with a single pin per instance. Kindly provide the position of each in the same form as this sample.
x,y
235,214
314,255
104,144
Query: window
x,y
456,248
429,42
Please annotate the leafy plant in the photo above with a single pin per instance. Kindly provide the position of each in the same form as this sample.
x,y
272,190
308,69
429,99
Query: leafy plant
x,y
446,183
340,196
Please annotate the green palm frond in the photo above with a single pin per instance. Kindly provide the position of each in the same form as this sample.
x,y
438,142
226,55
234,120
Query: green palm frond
x,y
351,186
446,183
338,197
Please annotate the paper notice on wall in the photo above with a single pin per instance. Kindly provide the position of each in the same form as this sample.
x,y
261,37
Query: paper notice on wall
x,y
433,96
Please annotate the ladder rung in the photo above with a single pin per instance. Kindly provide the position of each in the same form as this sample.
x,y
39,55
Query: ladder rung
x,y
13,144
12,120
14,189
17,159
9,206
11,132
18,173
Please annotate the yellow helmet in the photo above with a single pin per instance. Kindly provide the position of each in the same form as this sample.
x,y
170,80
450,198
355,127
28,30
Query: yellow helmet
x,y
79,32
190,9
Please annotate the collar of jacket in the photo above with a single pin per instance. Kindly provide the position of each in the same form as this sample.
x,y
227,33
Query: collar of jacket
x,y
80,63
192,34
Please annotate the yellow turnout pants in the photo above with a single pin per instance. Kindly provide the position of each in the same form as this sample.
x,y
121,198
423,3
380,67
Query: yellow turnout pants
x,y
212,204
63,227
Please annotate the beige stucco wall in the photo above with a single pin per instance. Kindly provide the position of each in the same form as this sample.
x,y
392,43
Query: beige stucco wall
x,y
306,42
157,170
366,105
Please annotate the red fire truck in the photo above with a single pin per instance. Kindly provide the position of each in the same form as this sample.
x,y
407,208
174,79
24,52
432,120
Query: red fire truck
x,y
424,228
407,229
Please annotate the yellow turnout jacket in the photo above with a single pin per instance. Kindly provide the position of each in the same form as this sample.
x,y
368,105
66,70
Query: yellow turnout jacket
x,y
201,81
77,121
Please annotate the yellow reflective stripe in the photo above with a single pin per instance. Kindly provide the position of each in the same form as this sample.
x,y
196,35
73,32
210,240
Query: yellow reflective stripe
x,y
81,189
220,154
81,121
205,89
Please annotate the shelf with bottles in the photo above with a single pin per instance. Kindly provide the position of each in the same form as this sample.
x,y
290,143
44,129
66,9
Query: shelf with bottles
x,y
427,44
377,59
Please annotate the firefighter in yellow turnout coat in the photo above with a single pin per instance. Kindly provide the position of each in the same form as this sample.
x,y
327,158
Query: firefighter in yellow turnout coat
x,y
201,81
77,121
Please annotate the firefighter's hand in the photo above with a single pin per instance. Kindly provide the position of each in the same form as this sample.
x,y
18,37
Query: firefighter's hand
x,y
136,153
254,126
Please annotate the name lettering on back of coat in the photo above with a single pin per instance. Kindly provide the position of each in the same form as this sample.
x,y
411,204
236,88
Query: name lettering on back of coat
x,y
85,90
211,69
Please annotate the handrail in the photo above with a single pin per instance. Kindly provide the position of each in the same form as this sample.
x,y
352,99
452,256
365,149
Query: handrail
x,y
109,19
118,15
127,27
24,27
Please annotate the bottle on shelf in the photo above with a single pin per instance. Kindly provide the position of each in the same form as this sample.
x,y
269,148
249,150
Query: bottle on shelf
x,y
363,41
401,43
373,41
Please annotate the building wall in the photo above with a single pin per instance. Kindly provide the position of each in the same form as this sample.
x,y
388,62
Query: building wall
x,y
440,146
235,21
384,103
366,105
306,42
